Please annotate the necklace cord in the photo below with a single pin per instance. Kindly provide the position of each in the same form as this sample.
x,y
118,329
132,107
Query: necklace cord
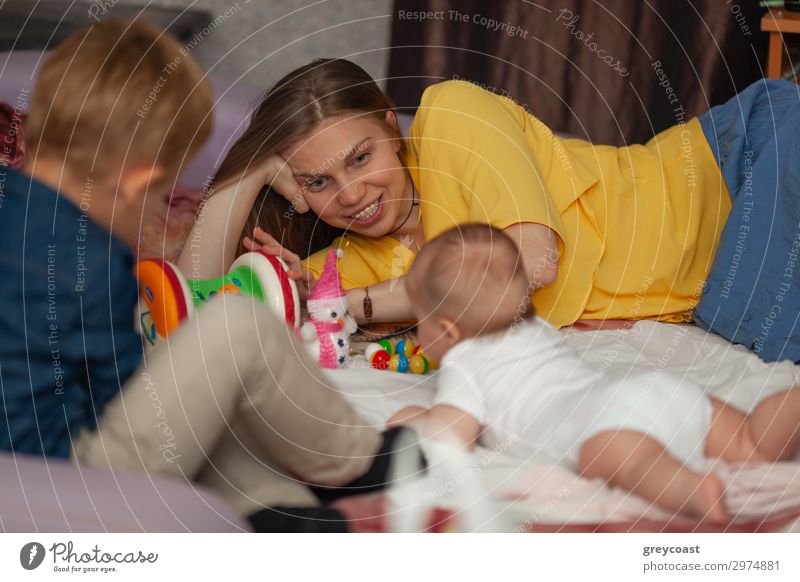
x,y
414,203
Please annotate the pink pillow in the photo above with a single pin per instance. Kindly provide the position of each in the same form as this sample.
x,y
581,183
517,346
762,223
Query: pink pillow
x,y
12,136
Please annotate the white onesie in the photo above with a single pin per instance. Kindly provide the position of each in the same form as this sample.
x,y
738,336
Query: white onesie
x,y
535,397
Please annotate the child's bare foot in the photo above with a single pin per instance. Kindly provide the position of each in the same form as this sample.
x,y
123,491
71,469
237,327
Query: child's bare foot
x,y
708,500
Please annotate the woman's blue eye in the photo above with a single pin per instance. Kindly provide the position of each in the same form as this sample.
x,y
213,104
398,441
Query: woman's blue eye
x,y
317,184
361,159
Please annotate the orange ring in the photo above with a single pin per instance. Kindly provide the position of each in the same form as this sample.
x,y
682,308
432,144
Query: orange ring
x,y
157,289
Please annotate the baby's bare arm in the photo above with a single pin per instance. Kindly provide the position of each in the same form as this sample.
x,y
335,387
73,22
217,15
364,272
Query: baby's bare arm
x,y
641,465
439,421
406,415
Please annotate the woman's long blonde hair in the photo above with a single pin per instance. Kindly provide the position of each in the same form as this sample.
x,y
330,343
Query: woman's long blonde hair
x,y
288,112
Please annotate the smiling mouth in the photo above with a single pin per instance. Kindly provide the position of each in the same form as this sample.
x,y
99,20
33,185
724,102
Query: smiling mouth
x,y
368,212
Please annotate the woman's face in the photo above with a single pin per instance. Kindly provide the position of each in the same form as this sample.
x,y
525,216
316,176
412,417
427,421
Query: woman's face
x,y
350,174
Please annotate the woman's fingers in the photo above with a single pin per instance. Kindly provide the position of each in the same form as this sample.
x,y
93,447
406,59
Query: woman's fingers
x,y
250,245
302,288
265,238
305,284
308,280
271,246
282,181
266,243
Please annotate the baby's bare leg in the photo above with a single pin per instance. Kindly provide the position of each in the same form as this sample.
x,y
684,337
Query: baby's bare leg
x,y
729,435
640,464
770,433
775,425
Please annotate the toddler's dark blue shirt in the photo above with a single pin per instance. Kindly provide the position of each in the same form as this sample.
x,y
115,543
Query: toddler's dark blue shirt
x,y
67,299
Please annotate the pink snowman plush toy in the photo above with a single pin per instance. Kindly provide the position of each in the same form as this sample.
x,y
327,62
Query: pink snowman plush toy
x,y
327,332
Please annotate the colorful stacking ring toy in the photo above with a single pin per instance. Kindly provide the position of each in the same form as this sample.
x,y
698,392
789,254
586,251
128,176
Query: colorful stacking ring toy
x,y
169,298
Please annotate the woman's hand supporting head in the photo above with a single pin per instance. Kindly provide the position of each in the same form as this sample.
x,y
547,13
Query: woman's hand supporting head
x,y
214,240
278,176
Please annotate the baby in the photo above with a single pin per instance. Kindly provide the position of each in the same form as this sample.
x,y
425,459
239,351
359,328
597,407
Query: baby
x,y
508,376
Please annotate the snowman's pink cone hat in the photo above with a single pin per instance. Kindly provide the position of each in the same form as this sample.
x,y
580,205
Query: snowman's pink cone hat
x,y
328,292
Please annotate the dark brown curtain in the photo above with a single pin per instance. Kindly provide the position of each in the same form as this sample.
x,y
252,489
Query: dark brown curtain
x,y
615,71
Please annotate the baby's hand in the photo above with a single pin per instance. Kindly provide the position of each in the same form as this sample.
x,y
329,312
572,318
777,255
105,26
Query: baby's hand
x,y
406,415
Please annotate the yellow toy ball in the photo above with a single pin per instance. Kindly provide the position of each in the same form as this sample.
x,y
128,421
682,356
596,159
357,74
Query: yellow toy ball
x,y
432,364
405,347
418,364
394,362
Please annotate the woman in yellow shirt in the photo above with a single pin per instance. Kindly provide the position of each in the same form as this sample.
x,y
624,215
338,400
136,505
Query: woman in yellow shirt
x,y
605,232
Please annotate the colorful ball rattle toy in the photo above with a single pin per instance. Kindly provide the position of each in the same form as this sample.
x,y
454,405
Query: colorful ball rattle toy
x,y
402,357
169,298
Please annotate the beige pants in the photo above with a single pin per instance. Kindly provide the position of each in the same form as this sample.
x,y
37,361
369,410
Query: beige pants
x,y
233,401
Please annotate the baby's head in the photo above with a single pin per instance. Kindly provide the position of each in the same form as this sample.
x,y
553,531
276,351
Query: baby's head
x,y
119,108
468,281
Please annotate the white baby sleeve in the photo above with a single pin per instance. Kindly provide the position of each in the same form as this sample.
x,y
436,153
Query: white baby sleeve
x,y
460,389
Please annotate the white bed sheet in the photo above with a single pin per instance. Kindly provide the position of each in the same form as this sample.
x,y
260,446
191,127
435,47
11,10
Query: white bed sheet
x,y
730,372
540,493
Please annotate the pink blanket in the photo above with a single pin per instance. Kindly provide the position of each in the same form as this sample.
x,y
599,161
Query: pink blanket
x,y
552,499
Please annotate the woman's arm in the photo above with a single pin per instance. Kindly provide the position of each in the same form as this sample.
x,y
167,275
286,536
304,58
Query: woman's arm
x,y
389,299
465,132
211,247
538,246
390,302
212,242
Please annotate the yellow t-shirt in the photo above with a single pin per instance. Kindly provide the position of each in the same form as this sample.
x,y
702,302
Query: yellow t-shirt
x,y
637,226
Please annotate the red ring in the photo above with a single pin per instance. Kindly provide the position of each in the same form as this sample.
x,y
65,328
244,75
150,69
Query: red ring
x,y
286,287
